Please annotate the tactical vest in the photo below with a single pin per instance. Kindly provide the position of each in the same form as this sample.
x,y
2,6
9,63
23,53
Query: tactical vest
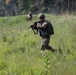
x,y
47,31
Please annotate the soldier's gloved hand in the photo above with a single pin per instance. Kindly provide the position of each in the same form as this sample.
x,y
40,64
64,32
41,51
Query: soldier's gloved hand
x,y
38,25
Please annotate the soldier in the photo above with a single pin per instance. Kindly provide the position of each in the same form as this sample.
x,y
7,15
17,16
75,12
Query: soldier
x,y
43,27
30,15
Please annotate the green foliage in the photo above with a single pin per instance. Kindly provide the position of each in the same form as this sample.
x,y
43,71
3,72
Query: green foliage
x,y
20,49
19,7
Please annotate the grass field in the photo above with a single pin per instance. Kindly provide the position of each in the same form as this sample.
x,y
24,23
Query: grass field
x,y
20,49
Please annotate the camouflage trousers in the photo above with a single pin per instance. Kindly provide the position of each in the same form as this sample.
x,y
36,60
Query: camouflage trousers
x,y
45,44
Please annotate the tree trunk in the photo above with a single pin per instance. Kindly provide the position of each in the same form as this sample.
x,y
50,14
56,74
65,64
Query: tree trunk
x,y
37,3
69,3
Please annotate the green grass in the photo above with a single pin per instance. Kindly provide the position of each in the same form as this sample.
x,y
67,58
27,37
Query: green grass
x,y
20,49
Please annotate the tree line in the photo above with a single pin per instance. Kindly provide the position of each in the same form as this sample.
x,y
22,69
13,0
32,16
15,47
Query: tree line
x,y
18,7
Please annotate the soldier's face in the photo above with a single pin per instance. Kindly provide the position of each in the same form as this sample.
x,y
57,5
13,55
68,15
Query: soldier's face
x,y
42,19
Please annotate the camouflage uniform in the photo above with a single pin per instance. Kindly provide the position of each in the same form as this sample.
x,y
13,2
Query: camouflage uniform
x,y
43,30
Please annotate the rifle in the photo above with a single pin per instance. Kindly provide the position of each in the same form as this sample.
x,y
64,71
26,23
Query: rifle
x,y
34,28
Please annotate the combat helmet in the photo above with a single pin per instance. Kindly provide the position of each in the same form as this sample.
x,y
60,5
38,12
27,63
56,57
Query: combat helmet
x,y
41,15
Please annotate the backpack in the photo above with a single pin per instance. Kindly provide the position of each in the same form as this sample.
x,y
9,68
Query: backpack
x,y
50,29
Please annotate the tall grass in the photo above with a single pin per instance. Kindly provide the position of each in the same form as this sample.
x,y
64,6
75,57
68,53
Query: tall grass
x,y
20,52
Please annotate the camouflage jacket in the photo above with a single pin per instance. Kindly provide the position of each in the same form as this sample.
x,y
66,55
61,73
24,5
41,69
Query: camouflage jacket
x,y
43,28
